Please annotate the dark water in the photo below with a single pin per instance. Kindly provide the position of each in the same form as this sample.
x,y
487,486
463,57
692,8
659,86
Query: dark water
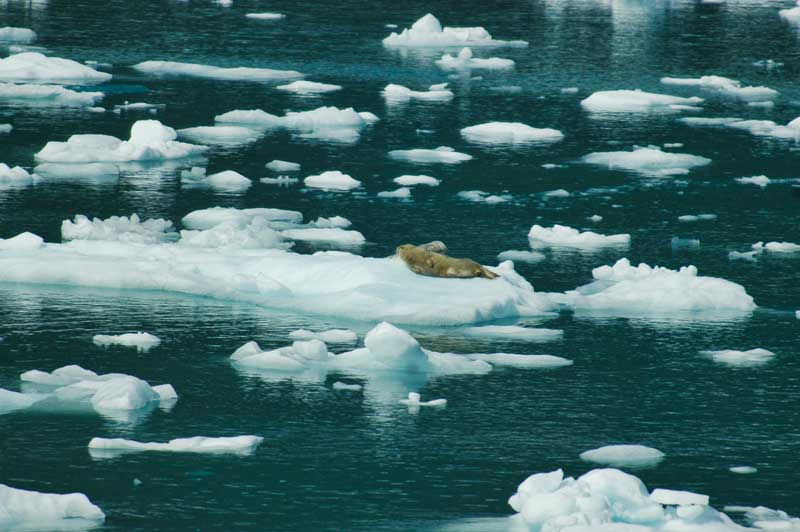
x,y
339,461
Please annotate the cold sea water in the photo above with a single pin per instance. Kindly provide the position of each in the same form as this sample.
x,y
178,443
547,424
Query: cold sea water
x,y
339,460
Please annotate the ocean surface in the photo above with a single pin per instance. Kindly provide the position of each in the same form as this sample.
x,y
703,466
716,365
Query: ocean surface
x,y
332,460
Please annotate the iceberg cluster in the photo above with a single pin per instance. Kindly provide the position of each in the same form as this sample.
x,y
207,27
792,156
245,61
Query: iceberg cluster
x,y
563,236
33,66
465,61
636,101
510,133
428,32
119,229
650,161
172,68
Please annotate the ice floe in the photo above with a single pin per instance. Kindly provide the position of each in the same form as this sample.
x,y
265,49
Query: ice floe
x,y
338,385
636,101
6,129
203,219
32,510
465,61
743,470
400,193
37,94
150,140
442,154
514,332
331,336
17,35
266,16
563,236
428,32
624,456
227,180
119,229
399,93
696,217
732,357
758,180
479,196
172,68
222,135
309,87
242,445
325,123
11,401
33,66
522,361
16,175
240,233
669,497
332,180
515,255
331,235
282,166
759,128
142,341
510,133
414,401
413,180
726,87
650,161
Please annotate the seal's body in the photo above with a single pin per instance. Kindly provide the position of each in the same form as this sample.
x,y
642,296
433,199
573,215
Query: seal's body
x,y
422,261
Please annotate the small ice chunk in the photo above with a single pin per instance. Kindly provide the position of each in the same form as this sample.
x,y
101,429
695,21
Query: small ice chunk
x,y
16,175
514,332
510,133
684,243
465,61
649,161
758,180
569,90
442,154
414,401
479,196
412,180
427,32
31,510
732,357
563,236
283,166
595,218
6,128
401,193
743,470
515,255
623,456
636,101
282,180
332,180
196,444
558,193
781,247
172,68
11,401
552,166
227,180
17,35
399,93
696,217
522,361
338,385
265,16
142,341
33,66
726,87
137,482
678,498
309,87
331,336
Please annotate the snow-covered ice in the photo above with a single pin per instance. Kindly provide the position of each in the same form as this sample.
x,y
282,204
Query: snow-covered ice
x,y
222,135
227,180
465,61
282,166
514,332
650,161
331,336
726,87
563,236
309,87
38,94
732,357
142,341
398,93
33,66
510,133
162,68
32,510
515,255
242,445
624,456
413,180
118,228
332,180
636,101
428,32
400,193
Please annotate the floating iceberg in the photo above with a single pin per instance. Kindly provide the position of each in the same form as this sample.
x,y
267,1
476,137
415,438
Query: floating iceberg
x,y
522,361
266,16
332,336
150,141
326,123
515,255
172,68
636,101
442,154
47,95
16,175
401,193
624,456
465,61
412,180
17,35
332,180
119,229
222,135
428,32
510,133
649,161
282,166
758,180
479,196
227,180
31,510
624,287
399,93
726,87
142,341
309,87
207,218
514,332
33,66
563,236
732,357
11,401
338,385
242,445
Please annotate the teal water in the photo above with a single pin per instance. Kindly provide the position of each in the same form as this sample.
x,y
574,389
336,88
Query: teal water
x,y
340,461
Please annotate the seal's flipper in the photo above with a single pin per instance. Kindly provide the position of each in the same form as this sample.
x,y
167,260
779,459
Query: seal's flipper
x,y
437,246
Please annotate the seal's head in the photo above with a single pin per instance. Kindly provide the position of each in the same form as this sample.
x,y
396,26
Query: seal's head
x,y
404,248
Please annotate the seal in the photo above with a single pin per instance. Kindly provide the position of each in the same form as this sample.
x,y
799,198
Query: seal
x,y
429,260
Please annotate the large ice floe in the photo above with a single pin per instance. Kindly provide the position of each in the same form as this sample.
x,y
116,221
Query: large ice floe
x,y
394,93
624,456
325,123
636,101
111,447
39,94
627,288
32,510
649,161
428,32
759,128
465,61
510,133
725,87
172,68
150,140
118,228
33,66
563,236
442,154
17,35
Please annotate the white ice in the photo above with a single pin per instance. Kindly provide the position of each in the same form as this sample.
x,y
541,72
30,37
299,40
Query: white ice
x,y
32,510
414,400
522,361
338,385
16,175
678,498
331,235
33,66
22,242
726,87
465,61
399,93
791,15
624,456
265,16
758,180
162,68
514,332
759,128
221,135
282,166
636,101
6,128
400,193
743,470
242,445
11,401
650,161
428,32
309,87
227,180
331,336
142,341
595,218
17,35
563,236
558,193
412,180
57,95
332,180
510,133
479,196
732,357
515,255
696,217
207,218
150,140
118,228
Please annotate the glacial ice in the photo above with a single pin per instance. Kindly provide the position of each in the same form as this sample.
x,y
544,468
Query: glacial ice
x,y
227,180
624,456
203,219
242,445
401,193
17,35
732,357
17,175
11,401
309,87
428,32
563,236
33,66
32,510
636,101
265,16
326,123
282,166
119,229
465,61
515,255
150,141
442,154
414,400
399,93
38,94
726,87
222,135
669,497
514,332
510,133
412,180
758,180
650,161
522,361
332,180
142,341
331,336
172,68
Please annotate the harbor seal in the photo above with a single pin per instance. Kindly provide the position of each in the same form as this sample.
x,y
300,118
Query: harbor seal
x,y
424,260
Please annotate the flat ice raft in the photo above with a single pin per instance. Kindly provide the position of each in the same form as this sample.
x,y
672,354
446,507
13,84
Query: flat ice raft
x,y
197,444
31,510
